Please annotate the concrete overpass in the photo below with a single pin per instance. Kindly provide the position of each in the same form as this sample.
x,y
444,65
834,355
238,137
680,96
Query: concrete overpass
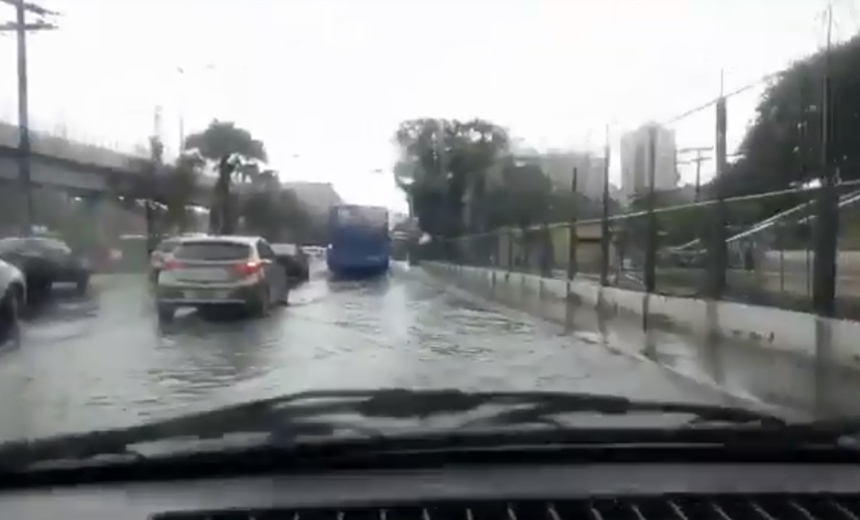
x,y
92,171
74,167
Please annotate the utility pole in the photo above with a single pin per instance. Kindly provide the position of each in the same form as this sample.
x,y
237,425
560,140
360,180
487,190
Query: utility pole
x,y
604,221
21,27
827,215
698,161
156,161
650,274
717,248
572,231
181,72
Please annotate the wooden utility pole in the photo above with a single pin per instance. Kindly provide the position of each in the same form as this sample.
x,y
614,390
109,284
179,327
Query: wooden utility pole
x,y
604,221
698,160
21,28
827,213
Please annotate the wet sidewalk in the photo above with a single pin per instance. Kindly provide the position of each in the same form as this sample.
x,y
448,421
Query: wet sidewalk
x,y
820,385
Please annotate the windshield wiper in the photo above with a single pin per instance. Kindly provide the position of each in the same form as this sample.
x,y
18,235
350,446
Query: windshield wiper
x,y
286,418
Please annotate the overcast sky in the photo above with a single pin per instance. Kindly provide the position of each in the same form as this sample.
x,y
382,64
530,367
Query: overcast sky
x,y
324,83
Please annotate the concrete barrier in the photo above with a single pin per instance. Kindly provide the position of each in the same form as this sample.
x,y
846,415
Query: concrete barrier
x,y
786,331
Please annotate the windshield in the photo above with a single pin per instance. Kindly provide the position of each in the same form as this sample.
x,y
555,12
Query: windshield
x,y
594,197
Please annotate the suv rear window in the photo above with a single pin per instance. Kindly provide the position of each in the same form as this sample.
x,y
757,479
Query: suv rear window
x,y
212,251
167,246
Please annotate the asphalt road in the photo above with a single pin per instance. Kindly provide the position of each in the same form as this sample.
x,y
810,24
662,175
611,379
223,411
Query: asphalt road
x,y
104,361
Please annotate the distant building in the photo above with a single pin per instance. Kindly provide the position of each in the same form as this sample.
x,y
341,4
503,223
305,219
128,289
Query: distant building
x,y
559,166
317,197
635,160
398,219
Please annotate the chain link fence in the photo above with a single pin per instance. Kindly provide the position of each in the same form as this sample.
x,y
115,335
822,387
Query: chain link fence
x,y
672,251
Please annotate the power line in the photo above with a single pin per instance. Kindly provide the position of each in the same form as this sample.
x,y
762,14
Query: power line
x,y
30,7
714,101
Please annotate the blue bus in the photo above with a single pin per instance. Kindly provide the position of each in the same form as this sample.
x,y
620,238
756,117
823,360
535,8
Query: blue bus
x,y
359,242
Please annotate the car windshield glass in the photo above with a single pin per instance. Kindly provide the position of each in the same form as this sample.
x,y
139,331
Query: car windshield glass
x,y
245,200
212,251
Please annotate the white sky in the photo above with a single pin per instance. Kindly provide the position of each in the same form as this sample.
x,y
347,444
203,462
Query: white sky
x,y
324,83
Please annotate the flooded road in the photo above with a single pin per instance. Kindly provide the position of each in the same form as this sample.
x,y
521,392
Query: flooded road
x,y
104,361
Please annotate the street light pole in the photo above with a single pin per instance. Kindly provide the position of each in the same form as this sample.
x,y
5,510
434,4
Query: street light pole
x,y
181,72
182,79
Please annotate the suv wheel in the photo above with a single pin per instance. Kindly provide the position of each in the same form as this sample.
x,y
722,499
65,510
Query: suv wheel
x,y
165,311
260,305
81,285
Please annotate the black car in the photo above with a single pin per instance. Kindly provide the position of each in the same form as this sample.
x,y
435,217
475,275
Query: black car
x,y
294,260
13,298
160,254
44,261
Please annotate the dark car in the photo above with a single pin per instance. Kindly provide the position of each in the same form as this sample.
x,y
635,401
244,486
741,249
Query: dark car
x,y
294,260
160,254
44,261
13,298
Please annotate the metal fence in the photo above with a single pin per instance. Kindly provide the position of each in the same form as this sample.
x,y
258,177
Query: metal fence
x,y
795,249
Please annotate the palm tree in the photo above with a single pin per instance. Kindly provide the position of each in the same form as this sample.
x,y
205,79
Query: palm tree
x,y
235,152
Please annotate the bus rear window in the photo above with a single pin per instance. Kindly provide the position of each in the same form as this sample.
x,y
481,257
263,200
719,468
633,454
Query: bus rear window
x,y
350,216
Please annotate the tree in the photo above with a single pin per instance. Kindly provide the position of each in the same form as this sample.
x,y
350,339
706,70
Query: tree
x,y
565,205
233,150
178,186
441,162
783,145
269,210
224,138
521,198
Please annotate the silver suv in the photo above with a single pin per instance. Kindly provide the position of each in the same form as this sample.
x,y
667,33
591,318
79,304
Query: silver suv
x,y
221,270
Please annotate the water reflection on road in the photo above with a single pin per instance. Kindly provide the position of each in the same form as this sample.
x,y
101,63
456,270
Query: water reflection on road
x,y
790,383
103,361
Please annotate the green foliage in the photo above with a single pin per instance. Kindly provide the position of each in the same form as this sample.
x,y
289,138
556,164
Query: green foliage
x,y
236,154
520,199
224,138
270,211
783,145
461,178
443,160
178,187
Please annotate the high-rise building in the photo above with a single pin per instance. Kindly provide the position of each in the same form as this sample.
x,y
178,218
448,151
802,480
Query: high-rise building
x,y
635,159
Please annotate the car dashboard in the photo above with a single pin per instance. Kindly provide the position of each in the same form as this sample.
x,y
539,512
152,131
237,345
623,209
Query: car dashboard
x,y
606,491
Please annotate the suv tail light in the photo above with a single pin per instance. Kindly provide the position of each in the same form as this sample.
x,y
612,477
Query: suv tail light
x,y
169,265
246,269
